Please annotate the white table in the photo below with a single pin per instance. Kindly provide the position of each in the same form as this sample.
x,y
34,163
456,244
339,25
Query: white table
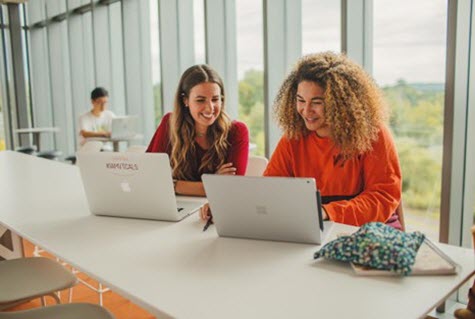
x,y
36,131
115,141
176,270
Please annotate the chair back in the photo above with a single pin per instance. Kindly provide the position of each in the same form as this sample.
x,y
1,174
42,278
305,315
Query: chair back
x,y
70,311
256,165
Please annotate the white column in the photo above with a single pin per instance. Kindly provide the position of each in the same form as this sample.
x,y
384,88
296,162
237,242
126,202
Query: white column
x,y
102,50
88,52
54,7
283,46
80,94
221,47
41,84
36,11
138,64
357,31
61,86
459,108
469,183
176,45
117,89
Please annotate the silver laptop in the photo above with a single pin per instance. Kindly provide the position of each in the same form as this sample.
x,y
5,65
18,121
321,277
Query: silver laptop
x,y
135,185
124,127
269,208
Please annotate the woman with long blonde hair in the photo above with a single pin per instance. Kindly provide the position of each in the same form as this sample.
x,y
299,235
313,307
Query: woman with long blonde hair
x,y
198,135
333,117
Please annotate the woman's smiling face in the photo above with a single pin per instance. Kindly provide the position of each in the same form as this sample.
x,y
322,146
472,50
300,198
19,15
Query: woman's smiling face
x,y
311,107
204,102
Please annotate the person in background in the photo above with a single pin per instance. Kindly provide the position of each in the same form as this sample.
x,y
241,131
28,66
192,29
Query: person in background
x,y
198,135
96,122
333,117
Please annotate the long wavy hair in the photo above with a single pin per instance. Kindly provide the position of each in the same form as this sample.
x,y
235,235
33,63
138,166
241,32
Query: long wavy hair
x,y
354,107
182,128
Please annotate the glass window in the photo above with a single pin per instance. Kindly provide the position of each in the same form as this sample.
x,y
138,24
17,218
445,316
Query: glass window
x,y
156,73
409,64
321,24
251,70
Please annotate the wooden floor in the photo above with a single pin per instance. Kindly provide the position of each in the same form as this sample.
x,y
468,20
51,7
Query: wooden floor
x,y
120,307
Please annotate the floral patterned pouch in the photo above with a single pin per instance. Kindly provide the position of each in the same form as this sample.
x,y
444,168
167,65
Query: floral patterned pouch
x,y
378,246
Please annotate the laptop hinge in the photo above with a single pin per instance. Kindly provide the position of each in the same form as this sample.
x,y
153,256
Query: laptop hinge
x,y
319,209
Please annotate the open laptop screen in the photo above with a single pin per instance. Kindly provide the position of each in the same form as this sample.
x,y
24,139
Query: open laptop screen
x,y
270,208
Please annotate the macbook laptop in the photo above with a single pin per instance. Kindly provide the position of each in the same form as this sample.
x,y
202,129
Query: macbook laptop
x,y
269,208
124,127
135,185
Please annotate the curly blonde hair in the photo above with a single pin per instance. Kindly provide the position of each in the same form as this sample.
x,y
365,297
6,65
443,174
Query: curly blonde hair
x,y
182,128
354,107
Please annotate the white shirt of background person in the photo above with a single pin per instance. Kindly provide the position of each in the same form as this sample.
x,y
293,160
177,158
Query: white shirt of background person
x,y
98,121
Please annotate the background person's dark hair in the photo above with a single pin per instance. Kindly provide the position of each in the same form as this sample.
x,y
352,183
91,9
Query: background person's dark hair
x,y
99,92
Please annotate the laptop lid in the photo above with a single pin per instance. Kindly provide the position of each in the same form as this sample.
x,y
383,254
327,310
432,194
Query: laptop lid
x,y
124,127
135,185
269,208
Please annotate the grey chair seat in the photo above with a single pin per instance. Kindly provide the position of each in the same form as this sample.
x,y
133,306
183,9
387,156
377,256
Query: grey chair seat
x,y
24,279
52,155
66,311
71,158
30,150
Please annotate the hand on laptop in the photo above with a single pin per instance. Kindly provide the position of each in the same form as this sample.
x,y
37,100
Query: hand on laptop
x,y
205,212
324,214
226,169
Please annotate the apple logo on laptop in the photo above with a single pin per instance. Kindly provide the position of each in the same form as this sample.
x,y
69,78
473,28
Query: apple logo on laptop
x,y
125,187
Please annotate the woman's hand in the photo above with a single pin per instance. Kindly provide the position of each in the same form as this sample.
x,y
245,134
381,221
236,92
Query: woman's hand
x,y
205,212
226,169
325,214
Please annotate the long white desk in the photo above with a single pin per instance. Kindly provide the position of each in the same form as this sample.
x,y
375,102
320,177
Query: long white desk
x,y
176,270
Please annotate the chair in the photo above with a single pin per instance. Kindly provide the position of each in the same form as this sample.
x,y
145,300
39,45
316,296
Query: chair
x,y
67,311
30,150
137,149
88,147
256,165
100,289
71,158
51,155
24,279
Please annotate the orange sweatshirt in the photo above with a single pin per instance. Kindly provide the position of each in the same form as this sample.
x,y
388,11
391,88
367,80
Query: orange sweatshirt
x,y
373,179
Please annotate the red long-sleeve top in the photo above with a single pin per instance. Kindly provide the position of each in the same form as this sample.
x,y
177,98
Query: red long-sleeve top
x,y
359,190
238,151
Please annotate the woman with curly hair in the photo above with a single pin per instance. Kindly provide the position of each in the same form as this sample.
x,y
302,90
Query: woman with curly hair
x,y
333,117
198,135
